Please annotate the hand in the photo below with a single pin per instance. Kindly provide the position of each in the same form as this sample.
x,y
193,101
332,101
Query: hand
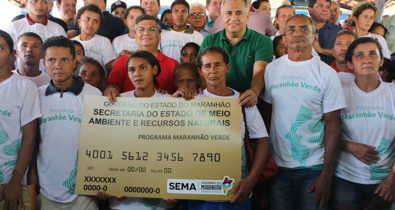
x,y
170,200
248,98
184,92
243,190
316,44
365,153
125,52
12,196
112,93
386,188
103,195
322,187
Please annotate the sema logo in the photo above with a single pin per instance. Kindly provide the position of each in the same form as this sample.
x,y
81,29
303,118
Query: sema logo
x,y
202,187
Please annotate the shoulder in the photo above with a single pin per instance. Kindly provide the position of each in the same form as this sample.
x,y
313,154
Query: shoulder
x,y
258,37
90,90
101,39
128,94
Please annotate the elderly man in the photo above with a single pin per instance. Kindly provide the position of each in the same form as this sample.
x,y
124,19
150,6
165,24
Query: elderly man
x,y
197,18
180,33
319,11
147,31
249,51
306,97
36,20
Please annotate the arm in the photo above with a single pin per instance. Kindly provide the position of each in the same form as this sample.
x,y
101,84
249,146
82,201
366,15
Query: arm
x,y
386,188
250,97
319,49
322,185
109,65
13,190
245,186
365,153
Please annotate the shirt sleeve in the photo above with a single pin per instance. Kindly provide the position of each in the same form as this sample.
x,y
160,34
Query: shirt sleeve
x,y
264,49
267,95
108,51
333,96
255,125
30,109
118,73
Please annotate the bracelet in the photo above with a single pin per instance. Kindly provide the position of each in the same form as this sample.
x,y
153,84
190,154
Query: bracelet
x,y
19,172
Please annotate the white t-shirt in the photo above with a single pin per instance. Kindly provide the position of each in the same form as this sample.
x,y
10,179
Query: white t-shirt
x,y
99,48
140,203
60,137
40,80
300,92
172,42
368,119
382,42
124,42
345,77
16,28
19,106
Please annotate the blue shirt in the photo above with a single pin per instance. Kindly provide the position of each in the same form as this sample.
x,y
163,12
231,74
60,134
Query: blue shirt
x,y
326,39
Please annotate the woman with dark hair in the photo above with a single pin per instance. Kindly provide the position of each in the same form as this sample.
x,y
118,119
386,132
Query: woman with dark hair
x,y
89,19
365,174
379,29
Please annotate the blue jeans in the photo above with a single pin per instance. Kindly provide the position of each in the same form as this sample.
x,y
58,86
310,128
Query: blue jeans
x,y
289,189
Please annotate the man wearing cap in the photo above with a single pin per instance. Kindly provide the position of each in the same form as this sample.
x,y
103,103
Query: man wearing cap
x,y
118,9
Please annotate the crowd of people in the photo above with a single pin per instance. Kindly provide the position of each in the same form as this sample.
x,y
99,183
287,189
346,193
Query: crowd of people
x,y
318,96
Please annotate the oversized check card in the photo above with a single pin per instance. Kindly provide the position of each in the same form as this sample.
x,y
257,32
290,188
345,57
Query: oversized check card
x,y
160,147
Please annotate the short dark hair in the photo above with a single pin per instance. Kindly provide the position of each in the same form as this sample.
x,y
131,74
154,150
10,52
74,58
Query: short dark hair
x,y
163,14
276,42
389,66
147,17
90,60
191,44
212,49
312,2
7,38
375,25
256,4
75,42
190,66
311,21
362,40
58,41
60,1
157,1
357,10
30,34
342,32
92,8
148,57
183,2
134,7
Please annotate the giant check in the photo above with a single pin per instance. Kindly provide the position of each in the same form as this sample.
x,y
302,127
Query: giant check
x,y
160,147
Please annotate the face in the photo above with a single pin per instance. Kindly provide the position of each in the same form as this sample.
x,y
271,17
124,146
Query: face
x,y
38,8
188,55
366,60
234,16
265,8
119,12
89,22
151,7
79,54
281,49
283,15
299,33
179,14
131,18
141,73
186,78
320,11
147,34
5,54
213,69
67,9
340,47
365,19
168,19
348,21
334,13
60,64
90,73
214,8
197,17
29,50
379,31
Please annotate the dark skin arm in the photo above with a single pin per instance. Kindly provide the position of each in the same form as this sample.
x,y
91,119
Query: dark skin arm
x,y
322,185
250,97
12,193
245,186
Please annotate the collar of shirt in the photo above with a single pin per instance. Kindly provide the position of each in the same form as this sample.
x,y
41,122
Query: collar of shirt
x,y
245,37
333,65
76,88
31,22
188,30
327,25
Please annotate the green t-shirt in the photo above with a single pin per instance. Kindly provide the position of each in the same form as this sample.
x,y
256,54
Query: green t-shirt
x,y
251,48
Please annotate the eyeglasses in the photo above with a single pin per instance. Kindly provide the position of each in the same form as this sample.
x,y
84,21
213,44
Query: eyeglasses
x,y
361,56
200,14
150,29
